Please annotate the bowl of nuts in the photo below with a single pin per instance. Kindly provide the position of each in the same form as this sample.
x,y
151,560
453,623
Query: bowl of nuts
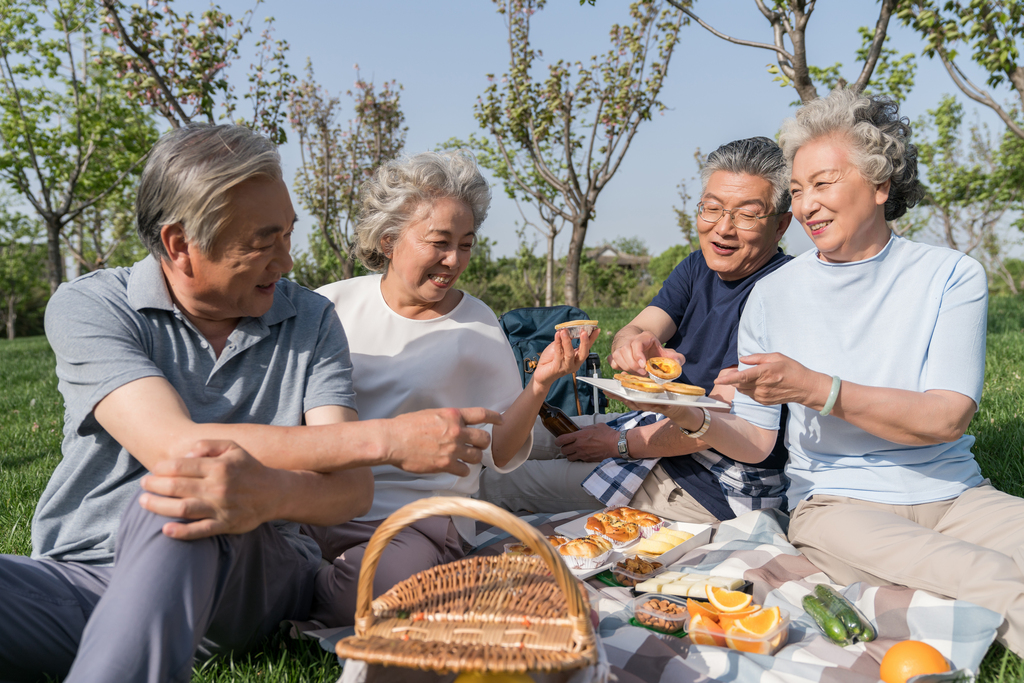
x,y
664,614
635,569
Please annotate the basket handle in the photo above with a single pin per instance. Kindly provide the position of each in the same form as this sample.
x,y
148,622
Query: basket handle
x,y
481,511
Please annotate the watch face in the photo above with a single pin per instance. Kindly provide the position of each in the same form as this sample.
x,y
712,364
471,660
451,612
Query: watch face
x,y
623,447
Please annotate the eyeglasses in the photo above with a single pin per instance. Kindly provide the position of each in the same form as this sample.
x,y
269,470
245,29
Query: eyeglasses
x,y
741,220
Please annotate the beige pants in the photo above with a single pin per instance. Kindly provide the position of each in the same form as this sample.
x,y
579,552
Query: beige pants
x,y
968,548
547,482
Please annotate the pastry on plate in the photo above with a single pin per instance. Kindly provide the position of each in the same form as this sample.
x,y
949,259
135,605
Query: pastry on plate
x,y
664,369
683,389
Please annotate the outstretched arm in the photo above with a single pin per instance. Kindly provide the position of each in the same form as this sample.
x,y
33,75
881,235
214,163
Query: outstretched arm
x,y
641,339
557,360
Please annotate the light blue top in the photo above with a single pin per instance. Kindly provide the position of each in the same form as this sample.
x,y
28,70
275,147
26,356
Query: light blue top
x,y
912,317
112,327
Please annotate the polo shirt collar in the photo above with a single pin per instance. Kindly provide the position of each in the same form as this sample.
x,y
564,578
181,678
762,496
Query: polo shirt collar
x,y
148,289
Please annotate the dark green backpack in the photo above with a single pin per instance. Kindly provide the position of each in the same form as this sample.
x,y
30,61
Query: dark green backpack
x,y
529,331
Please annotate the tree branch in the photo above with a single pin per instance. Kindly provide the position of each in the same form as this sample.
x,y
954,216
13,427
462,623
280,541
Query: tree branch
x,y
749,43
111,6
881,26
977,94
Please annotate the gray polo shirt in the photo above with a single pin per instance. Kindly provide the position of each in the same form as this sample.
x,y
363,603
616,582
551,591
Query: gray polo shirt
x,y
111,327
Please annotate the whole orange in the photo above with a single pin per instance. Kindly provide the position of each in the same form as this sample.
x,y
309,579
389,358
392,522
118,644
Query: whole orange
x,y
911,658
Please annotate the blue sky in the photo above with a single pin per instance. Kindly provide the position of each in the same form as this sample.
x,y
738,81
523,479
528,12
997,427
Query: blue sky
x,y
441,51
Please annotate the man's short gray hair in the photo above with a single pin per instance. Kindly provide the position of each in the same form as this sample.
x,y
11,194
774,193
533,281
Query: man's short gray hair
x,y
759,157
396,193
879,140
188,176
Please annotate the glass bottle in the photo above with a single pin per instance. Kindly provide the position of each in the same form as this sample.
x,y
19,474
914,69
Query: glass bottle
x,y
556,421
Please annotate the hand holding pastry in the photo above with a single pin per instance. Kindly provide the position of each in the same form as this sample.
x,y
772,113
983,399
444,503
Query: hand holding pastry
x,y
559,358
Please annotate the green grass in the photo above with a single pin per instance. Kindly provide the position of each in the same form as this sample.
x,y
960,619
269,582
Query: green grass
x,y
31,415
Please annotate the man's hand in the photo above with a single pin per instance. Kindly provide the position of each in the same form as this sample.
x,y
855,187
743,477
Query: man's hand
x,y
590,444
632,356
775,378
218,484
439,440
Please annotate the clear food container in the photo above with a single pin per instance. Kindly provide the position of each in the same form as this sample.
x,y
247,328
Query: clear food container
x,y
630,578
661,613
767,644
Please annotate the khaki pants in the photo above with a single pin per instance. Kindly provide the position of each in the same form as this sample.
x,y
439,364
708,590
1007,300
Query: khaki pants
x,y
968,548
547,482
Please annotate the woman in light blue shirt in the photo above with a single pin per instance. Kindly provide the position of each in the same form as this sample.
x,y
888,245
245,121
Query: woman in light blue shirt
x,y
877,345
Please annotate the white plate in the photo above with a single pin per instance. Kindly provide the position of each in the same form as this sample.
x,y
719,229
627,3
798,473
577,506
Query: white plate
x,y
613,387
577,529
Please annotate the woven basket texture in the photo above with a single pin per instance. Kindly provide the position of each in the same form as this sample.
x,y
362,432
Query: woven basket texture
x,y
503,613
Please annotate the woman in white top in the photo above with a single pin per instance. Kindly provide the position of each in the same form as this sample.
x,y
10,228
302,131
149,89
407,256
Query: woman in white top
x,y
415,342
877,344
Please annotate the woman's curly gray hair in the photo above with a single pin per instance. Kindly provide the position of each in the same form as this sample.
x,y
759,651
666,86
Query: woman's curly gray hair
x,y
396,193
879,138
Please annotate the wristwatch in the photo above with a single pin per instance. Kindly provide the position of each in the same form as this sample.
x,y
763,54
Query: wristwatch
x,y
703,428
623,446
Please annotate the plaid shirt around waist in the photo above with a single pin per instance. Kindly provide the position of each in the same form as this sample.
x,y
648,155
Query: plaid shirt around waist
x,y
746,487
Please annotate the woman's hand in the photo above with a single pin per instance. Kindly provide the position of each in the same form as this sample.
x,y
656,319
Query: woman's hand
x,y
560,359
775,379
590,444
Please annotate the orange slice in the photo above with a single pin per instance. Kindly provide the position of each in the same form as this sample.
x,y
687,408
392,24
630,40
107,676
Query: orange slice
x,y
707,611
726,619
748,633
759,623
704,631
727,601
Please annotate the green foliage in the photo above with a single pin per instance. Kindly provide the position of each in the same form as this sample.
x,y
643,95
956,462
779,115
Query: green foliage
x,y
557,140
70,132
970,192
994,34
23,286
662,265
336,161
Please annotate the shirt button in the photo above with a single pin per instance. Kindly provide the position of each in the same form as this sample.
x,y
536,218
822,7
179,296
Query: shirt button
x,y
204,345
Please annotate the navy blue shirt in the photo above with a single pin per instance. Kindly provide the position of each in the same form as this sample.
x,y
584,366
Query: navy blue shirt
x,y
706,311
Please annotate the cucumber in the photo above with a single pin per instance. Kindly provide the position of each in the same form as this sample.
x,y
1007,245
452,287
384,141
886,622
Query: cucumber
x,y
829,625
843,609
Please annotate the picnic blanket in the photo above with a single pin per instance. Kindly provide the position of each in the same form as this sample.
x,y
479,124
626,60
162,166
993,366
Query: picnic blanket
x,y
754,547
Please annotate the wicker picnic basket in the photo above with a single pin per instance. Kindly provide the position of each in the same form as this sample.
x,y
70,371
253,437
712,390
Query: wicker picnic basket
x,y
501,613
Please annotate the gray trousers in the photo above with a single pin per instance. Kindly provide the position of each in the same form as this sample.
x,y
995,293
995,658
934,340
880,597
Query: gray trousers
x,y
162,604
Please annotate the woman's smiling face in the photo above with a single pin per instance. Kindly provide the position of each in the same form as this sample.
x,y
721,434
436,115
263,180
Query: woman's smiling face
x,y
430,254
841,212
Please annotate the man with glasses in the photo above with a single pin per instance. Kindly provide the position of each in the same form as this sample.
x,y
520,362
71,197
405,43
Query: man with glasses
x,y
645,461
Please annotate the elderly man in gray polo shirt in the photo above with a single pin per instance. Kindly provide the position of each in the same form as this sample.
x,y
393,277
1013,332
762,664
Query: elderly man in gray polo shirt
x,y
209,411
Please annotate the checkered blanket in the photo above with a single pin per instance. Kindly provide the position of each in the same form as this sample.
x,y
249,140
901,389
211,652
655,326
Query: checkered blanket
x,y
754,547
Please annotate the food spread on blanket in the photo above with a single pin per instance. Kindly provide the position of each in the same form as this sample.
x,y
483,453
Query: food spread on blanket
x,y
731,620
683,584
837,618
662,541
666,616
623,524
910,658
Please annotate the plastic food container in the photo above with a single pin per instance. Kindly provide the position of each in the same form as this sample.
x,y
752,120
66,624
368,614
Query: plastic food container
x,y
661,613
768,644
625,577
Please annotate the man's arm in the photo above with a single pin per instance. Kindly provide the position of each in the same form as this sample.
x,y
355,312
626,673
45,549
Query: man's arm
x,y
659,440
149,419
226,490
641,339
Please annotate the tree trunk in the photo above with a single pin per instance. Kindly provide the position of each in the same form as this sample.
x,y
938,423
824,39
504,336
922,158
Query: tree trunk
x,y
572,265
11,316
54,257
549,272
